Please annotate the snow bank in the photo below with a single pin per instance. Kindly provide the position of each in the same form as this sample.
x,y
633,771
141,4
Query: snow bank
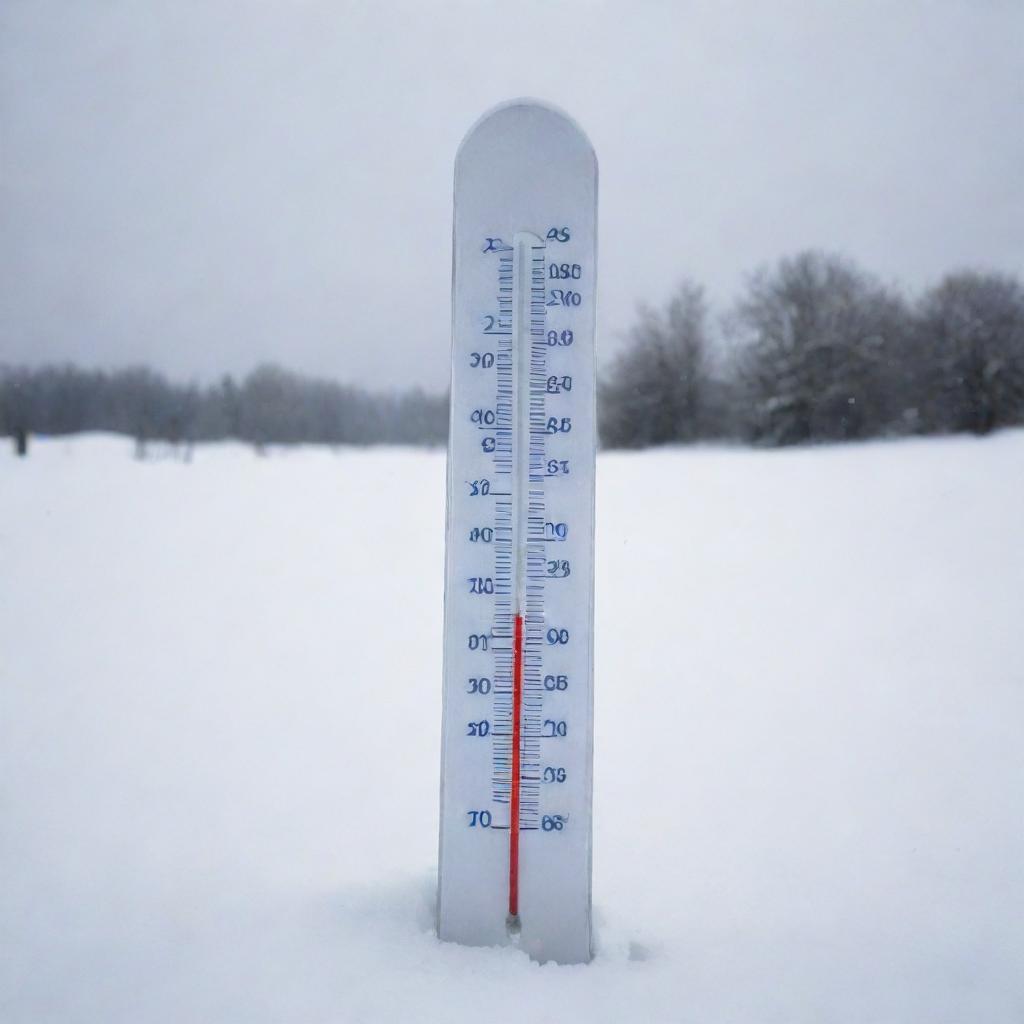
x,y
219,718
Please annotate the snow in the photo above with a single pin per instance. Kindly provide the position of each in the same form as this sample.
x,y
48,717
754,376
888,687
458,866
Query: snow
x,y
219,723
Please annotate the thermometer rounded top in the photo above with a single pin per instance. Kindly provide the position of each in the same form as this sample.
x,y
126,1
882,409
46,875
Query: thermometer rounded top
x,y
516,163
511,113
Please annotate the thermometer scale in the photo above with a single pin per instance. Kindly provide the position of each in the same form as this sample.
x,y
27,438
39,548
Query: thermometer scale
x,y
517,735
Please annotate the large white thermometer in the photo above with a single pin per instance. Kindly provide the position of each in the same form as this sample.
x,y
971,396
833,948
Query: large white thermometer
x,y
517,738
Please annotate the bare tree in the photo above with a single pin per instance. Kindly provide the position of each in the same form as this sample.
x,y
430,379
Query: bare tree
x,y
656,391
820,344
15,407
971,352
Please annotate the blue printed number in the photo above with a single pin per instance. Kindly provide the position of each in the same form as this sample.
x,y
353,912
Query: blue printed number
x,y
554,531
481,685
564,271
558,568
556,385
559,426
477,642
553,822
481,360
557,636
557,235
553,729
481,585
563,339
554,775
479,819
481,534
556,682
485,417
558,467
481,728
558,297
477,487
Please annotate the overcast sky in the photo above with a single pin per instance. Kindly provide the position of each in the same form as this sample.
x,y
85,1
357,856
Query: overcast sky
x,y
207,185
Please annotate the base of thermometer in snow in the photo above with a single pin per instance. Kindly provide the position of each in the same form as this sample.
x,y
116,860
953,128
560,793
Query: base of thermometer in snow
x,y
518,696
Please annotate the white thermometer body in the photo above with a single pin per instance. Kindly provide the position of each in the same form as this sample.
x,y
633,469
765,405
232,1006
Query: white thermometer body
x,y
517,741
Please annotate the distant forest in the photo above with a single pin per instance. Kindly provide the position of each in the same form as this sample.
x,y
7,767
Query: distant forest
x,y
814,350
269,406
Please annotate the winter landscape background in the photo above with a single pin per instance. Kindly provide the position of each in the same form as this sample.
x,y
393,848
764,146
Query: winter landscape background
x,y
225,271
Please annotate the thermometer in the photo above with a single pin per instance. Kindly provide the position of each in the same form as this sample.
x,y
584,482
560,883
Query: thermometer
x,y
517,730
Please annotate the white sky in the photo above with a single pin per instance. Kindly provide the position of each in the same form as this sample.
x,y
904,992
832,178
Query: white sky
x,y
204,185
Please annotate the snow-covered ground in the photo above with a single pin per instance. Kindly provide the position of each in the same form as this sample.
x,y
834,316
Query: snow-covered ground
x,y
809,789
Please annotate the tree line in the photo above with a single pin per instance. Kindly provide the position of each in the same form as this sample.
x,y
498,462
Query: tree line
x,y
816,349
269,406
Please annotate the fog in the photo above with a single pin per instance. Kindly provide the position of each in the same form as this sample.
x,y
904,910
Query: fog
x,y
204,186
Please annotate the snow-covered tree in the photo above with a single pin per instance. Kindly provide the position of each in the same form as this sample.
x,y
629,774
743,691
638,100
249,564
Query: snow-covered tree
x,y
820,344
657,389
971,352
